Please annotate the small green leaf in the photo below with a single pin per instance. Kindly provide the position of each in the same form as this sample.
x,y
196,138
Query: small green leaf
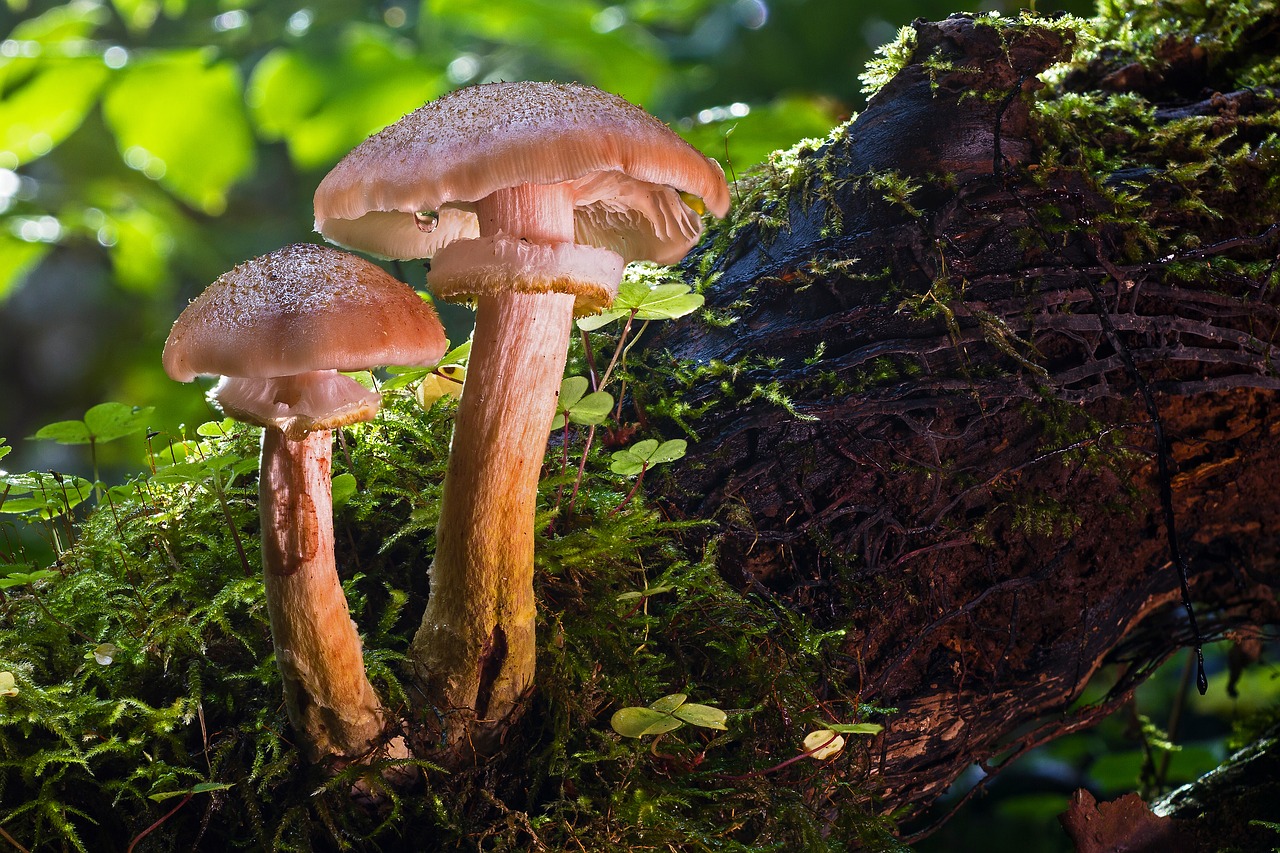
x,y
23,578
644,593
638,722
824,743
217,429
576,406
65,432
593,408
667,704
645,454
445,381
104,422
663,302
344,486
4,451
668,451
199,788
855,728
598,321
702,715
104,654
403,377
109,421
51,495
571,390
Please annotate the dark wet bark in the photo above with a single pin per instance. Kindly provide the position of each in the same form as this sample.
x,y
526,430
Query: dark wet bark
x,y
965,475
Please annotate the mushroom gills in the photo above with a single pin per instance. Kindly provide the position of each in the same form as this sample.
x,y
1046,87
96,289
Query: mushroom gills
x,y
297,404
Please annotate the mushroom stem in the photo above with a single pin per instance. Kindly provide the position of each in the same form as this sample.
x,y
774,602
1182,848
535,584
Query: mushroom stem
x,y
476,643
330,701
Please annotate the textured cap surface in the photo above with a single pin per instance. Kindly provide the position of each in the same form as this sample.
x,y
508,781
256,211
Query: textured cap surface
x,y
301,308
628,171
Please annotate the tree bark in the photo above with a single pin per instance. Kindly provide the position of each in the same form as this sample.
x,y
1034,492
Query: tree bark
x,y
955,327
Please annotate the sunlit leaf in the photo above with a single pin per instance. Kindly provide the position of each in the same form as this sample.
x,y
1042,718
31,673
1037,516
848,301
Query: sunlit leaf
x,y
443,382
322,106
23,578
664,302
702,715
218,429
576,406
42,494
645,454
624,59
103,422
638,722
667,704
4,448
65,432
46,106
591,322
856,728
824,743
344,486
198,788
179,119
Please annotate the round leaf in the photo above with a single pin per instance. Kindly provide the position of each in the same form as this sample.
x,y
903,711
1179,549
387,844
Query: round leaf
x,y
824,743
702,715
667,704
638,722
344,486
109,421
598,321
592,409
65,432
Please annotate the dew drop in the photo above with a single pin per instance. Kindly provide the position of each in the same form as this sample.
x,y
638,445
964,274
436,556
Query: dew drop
x,y
426,220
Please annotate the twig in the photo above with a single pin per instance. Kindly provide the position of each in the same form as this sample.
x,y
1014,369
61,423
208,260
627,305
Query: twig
x,y
155,825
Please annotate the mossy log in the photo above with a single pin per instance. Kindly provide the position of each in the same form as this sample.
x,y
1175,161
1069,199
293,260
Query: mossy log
x,y
938,352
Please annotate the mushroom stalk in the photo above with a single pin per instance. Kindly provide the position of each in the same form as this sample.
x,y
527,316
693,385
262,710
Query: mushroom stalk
x,y
330,701
476,644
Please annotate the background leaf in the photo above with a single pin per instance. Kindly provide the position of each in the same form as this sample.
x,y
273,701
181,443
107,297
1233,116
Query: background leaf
x,y
179,118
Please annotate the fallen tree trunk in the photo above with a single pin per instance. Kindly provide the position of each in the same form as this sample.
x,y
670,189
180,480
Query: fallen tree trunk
x,y
938,355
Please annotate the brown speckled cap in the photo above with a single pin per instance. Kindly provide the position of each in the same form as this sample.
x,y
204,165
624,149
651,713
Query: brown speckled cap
x,y
627,170
301,308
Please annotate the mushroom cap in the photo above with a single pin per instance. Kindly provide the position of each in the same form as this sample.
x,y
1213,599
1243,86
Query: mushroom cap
x,y
298,309
627,169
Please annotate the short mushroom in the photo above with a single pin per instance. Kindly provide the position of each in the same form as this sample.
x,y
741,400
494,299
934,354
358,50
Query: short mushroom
x,y
278,329
530,198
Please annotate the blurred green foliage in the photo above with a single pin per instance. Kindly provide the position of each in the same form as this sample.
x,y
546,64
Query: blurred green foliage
x,y
146,146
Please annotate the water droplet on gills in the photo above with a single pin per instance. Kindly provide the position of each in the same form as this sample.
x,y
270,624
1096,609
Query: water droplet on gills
x,y
426,220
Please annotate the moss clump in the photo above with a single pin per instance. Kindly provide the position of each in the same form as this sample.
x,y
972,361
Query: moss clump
x,y
188,711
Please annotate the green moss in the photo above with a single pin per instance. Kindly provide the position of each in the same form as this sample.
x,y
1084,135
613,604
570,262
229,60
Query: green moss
x,y
192,697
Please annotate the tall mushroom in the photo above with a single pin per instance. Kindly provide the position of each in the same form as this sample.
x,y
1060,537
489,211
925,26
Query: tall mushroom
x,y
530,198
278,329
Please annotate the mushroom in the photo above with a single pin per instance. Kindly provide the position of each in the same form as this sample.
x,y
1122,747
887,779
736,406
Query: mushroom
x,y
278,329
530,198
